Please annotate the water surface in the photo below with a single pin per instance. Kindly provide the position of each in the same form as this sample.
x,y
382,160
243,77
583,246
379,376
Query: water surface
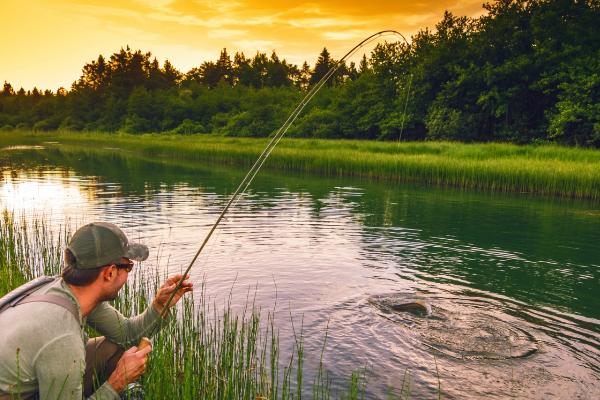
x,y
317,249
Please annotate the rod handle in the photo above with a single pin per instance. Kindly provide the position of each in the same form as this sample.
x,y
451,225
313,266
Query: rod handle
x,y
144,342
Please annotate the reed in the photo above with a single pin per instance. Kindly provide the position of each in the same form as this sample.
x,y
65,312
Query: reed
x,y
204,352
540,169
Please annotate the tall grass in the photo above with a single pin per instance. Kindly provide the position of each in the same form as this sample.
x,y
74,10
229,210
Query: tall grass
x,y
204,352
27,251
543,169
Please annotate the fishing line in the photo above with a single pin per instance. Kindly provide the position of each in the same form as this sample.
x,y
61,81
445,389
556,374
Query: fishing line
x,y
271,145
405,107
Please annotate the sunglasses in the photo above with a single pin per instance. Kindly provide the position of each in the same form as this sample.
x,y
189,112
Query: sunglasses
x,y
127,266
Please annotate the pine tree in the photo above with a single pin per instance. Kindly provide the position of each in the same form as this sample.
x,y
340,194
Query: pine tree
x,y
209,74
322,66
242,73
171,74
94,75
305,74
259,70
363,66
7,89
224,67
352,72
277,72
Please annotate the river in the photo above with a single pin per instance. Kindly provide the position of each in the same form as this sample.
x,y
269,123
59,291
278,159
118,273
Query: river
x,y
513,279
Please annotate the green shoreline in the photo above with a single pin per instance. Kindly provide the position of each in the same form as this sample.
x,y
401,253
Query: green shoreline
x,y
538,169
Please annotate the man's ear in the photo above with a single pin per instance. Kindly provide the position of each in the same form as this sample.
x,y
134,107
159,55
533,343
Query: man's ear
x,y
109,272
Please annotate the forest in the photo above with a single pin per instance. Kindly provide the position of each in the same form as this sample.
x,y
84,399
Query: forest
x,y
523,72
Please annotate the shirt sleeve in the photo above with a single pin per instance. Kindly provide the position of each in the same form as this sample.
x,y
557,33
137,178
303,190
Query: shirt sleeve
x,y
126,332
59,368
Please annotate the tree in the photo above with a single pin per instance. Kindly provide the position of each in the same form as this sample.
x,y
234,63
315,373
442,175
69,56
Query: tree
x,y
242,71
363,66
210,74
224,67
94,75
277,72
171,74
322,66
7,89
259,70
162,78
352,72
576,118
305,74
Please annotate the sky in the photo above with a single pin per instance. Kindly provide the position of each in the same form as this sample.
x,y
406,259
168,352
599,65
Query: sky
x,y
45,43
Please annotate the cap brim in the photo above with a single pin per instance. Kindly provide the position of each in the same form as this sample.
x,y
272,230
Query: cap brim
x,y
137,252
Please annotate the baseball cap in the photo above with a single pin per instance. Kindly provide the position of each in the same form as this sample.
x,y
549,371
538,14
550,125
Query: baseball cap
x,y
101,243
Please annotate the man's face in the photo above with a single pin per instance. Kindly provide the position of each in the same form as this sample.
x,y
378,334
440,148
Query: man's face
x,y
118,279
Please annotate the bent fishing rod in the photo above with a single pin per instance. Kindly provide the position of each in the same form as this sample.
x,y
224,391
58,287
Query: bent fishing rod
x,y
271,145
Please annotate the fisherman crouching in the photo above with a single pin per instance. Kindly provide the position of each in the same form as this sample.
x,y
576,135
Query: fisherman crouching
x,y
44,350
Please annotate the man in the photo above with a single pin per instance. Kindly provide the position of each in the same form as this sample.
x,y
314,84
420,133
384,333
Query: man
x,y
44,350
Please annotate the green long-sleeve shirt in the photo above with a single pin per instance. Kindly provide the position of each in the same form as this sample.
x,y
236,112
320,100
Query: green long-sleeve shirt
x,y
42,346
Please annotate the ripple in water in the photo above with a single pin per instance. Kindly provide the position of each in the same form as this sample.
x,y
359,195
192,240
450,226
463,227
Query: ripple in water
x,y
462,332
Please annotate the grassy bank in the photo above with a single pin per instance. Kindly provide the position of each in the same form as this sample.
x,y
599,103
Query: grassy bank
x,y
204,353
545,169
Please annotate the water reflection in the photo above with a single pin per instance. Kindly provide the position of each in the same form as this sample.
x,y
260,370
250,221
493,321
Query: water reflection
x,y
321,248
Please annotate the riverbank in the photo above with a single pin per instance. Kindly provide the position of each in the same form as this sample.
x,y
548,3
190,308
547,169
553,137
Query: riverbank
x,y
205,352
544,169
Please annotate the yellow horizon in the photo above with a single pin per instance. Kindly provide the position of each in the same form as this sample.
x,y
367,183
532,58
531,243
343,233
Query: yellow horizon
x,y
46,42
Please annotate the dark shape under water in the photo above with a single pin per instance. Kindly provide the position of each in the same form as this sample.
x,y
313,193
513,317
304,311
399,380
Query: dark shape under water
x,y
463,333
396,303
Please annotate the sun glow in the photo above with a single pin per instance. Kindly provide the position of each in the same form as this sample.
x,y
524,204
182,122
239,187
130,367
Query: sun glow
x,y
46,42
47,194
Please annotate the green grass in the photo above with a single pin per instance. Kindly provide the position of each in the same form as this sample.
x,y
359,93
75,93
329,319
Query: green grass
x,y
544,169
204,353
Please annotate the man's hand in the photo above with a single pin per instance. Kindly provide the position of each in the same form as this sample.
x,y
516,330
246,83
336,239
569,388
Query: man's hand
x,y
163,294
130,367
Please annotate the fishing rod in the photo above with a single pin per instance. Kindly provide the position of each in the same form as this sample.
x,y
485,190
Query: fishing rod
x,y
271,145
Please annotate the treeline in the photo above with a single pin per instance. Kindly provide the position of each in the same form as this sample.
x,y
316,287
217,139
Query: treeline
x,y
526,71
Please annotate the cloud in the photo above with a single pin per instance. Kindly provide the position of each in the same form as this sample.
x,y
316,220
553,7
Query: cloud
x,y
226,33
252,45
345,35
312,23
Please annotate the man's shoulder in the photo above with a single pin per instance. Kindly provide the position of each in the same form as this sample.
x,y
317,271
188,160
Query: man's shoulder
x,y
42,314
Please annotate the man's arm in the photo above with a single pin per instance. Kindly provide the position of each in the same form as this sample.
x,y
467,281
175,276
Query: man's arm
x,y
59,367
128,331
123,331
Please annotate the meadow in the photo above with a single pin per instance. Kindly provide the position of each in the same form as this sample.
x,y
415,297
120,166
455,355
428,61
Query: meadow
x,y
499,167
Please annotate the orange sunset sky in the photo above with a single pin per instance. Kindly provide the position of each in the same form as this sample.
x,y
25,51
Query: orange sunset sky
x,y
45,43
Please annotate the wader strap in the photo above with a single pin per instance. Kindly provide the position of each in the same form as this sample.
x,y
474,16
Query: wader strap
x,y
50,298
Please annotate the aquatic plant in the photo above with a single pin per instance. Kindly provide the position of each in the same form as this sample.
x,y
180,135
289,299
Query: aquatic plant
x,y
206,352
539,169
